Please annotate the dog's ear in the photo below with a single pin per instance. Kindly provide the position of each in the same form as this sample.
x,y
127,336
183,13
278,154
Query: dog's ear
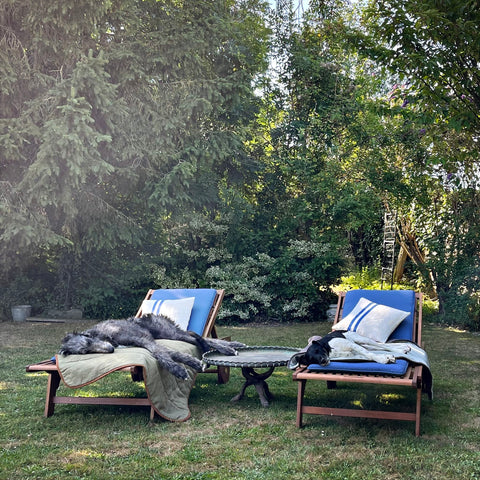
x,y
64,350
68,336
301,359
324,345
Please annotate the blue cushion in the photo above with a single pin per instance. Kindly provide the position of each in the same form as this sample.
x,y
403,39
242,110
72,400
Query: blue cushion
x,y
397,368
400,299
204,298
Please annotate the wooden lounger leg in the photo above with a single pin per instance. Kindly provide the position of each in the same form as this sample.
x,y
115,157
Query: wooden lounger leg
x,y
223,375
52,386
301,393
418,412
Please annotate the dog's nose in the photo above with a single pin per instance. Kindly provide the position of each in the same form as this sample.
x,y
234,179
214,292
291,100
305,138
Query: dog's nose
x,y
106,347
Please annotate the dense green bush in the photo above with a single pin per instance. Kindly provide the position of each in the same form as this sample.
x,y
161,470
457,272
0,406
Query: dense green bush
x,y
292,286
368,278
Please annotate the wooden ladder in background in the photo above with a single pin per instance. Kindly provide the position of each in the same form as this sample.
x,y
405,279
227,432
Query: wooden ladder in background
x,y
388,250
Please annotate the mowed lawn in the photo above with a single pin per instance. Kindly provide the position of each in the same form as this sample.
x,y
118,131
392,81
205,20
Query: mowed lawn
x,y
243,440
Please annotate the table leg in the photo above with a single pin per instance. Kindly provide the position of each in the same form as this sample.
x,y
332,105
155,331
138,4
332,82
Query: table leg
x,y
258,380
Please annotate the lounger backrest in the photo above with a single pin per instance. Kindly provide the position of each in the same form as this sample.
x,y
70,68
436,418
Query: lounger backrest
x,y
400,299
204,298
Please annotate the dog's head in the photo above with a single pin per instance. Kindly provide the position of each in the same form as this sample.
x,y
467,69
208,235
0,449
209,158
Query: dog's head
x,y
82,343
318,352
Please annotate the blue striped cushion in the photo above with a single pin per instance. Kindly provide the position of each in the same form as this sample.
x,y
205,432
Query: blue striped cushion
x,y
178,310
372,320
401,299
204,298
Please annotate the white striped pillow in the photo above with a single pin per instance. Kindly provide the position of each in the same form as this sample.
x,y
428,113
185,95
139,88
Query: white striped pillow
x,y
372,320
177,310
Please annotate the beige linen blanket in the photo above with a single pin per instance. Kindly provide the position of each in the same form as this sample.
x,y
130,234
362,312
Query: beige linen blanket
x,y
167,393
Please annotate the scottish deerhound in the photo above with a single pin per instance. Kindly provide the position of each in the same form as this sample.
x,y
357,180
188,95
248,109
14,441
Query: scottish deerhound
x,y
142,332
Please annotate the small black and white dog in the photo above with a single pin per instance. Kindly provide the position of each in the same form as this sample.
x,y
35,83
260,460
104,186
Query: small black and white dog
x,y
105,336
343,344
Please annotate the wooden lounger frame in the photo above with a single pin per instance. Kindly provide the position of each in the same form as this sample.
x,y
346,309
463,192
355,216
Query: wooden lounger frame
x,y
54,379
413,378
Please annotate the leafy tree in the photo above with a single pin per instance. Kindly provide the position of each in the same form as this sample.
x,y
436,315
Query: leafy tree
x,y
117,116
320,132
435,47
302,213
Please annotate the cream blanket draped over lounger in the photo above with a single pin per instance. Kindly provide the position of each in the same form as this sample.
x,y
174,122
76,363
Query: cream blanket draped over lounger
x,y
167,393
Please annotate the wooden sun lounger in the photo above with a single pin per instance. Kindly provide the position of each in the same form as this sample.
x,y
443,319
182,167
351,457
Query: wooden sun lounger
x,y
412,378
54,377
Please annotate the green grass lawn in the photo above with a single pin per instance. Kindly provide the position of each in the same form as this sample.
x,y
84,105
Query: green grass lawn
x,y
243,440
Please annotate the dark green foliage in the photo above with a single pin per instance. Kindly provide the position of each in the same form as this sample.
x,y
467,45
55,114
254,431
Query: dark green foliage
x,y
116,117
434,48
142,145
289,287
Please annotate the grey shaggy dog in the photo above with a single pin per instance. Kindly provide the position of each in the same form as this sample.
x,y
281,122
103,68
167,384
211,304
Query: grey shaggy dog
x,y
105,336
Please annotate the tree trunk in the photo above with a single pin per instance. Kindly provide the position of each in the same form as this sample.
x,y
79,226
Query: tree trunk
x,y
409,244
400,265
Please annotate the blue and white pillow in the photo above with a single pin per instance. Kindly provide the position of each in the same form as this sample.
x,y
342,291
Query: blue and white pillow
x,y
178,310
372,320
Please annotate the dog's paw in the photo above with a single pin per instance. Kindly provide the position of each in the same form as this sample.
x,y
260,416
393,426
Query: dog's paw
x,y
182,374
196,365
385,359
227,348
406,349
178,371
224,347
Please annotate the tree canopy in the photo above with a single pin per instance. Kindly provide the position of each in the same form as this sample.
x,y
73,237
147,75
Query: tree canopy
x,y
179,143
115,116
